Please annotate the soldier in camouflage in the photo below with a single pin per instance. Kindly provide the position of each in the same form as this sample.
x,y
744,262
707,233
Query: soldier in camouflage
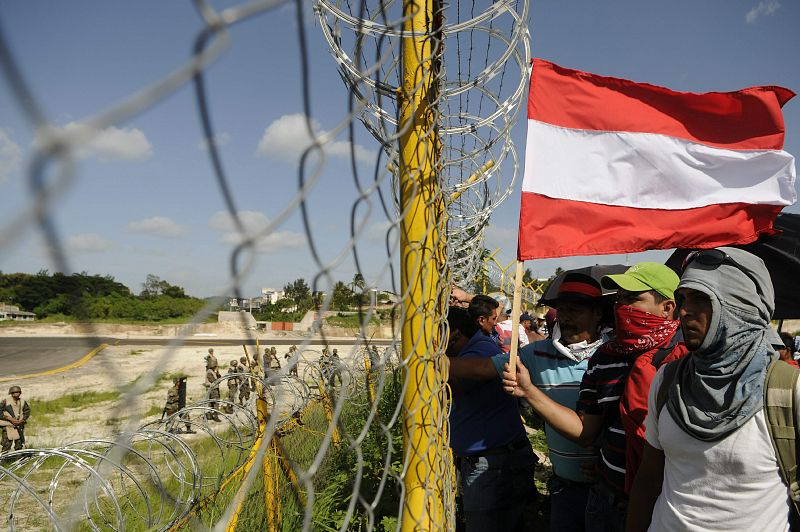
x,y
234,377
213,389
174,405
274,365
14,414
288,357
245,382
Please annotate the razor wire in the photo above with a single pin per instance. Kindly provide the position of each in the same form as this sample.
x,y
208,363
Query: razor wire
x,y
484,76
160,472
327,451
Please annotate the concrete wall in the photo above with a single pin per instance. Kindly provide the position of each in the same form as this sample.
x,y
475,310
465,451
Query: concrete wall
x,y
235,318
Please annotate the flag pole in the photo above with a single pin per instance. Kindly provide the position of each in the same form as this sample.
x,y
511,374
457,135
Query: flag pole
x,y
515,312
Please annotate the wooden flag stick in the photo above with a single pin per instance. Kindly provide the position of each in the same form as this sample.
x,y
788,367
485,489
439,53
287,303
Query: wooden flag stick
x,y
515,312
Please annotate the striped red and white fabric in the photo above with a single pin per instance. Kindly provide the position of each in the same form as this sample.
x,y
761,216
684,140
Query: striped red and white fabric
x,y
613,166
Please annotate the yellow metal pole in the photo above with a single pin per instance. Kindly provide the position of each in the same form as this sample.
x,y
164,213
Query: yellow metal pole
x,y
271,494
370,385
326,405
423,275
261,411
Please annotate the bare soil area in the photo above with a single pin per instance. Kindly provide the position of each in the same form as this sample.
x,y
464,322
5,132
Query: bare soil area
x,y
115,369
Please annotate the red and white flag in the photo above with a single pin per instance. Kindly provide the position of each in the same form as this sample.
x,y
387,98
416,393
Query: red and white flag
x,y
613,166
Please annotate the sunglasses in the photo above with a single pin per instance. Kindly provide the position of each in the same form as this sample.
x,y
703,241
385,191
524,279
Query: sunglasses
x,y
715,257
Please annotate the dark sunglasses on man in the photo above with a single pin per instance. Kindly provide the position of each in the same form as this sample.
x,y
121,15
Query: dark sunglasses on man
x,y
714,257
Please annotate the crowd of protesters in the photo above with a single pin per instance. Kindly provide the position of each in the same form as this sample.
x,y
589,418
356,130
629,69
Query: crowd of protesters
x,y
656,414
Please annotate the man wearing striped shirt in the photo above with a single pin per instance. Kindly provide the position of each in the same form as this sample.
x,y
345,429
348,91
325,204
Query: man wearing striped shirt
x,y
644,324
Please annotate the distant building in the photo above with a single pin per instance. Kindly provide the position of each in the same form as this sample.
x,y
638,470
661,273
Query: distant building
x,y
270,295
384,296
11,312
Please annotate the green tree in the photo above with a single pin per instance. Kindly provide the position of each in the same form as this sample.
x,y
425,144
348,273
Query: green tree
x,y
527,277
299,292
155,286
549,281
342,296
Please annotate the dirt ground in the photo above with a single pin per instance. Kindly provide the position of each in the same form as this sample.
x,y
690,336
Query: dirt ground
x,y
115,369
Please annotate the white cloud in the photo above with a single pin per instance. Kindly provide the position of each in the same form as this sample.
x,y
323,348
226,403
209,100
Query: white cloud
x,y
10,156
377,232
765,8
277,241
220,139
502,237
159,226
287,138
111,143
254,222
150,252
251,220
88,243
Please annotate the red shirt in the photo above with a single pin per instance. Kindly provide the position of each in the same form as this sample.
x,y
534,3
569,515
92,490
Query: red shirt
x,y
633,407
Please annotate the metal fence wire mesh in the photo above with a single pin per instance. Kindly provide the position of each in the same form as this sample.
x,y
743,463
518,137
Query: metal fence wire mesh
x,y
358,444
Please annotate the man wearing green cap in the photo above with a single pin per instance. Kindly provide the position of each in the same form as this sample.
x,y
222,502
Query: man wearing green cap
x,y
651,287
612,402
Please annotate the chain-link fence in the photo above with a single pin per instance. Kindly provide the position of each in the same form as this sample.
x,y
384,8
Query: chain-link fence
x,y
323,442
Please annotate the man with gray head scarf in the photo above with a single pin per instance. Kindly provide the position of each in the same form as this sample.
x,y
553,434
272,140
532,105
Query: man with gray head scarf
x,y
709,463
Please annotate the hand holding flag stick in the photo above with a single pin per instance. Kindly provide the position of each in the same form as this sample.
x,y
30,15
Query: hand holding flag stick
x,y
515,312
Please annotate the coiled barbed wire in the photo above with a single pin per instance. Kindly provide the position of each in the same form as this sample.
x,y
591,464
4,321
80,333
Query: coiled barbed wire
x,y
476,109
156,471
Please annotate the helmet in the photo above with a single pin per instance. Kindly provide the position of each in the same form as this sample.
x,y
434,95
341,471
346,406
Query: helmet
x,y
14,389
234,362
210,350
243,360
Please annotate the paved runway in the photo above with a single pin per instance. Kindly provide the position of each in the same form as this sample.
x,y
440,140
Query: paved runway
x,y
24,355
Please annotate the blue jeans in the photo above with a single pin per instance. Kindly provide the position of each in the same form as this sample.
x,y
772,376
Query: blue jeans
x,y
605,512
567,505
498,490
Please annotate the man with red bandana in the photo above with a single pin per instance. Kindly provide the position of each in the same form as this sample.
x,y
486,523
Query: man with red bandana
x,y
610,404
648,337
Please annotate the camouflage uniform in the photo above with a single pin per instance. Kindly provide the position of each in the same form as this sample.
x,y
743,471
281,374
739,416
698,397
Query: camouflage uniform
x,y
265,359
374,357
325,365
288,357
213,389
174,405
245,381
18,410
233,382
274,365
335,368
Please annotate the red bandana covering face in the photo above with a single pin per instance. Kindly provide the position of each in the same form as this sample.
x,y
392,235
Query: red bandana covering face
x,y
638,331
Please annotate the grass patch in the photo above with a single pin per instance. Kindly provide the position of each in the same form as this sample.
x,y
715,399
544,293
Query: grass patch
x,y
49,413
154,410
350,321
62,318
539,441
164,376
72,401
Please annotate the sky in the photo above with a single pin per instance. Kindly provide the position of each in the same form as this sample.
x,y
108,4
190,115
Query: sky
x,y
144,198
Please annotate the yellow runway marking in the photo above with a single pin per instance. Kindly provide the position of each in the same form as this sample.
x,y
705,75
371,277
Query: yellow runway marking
x,y
78,363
